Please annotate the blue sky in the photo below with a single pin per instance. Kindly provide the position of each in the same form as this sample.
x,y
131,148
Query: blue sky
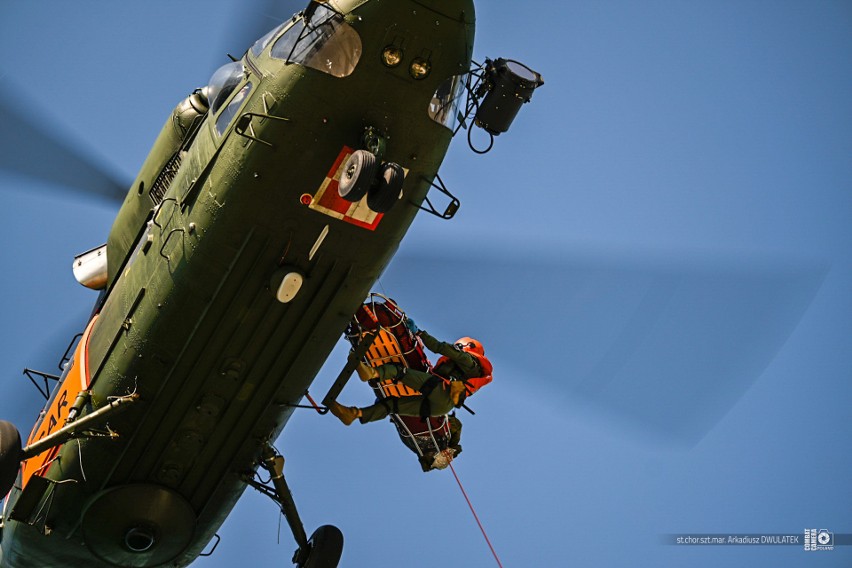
x,y
659,262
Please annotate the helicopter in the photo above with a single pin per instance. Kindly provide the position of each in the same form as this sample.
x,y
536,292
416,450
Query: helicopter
x,y
270,203
658,148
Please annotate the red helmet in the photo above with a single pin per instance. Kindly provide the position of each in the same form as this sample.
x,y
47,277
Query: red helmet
x,y
470,344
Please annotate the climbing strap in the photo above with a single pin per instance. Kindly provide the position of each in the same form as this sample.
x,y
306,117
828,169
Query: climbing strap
x,y
425,406
391,404
430,384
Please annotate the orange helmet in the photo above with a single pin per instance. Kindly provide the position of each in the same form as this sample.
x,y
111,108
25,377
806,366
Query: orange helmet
x,y
470,344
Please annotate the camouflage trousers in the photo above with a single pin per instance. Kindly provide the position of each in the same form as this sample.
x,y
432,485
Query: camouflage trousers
x,y
439,399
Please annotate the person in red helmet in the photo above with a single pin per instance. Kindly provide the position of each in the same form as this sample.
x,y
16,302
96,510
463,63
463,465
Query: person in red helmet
x,y
461,371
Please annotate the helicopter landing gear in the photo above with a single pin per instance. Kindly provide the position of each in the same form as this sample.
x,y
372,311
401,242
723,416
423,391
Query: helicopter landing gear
x,y
358,175
324,548
385,193
10,456
362,176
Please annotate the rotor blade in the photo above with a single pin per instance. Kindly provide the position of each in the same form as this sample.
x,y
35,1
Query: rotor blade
x,y
669,346
29,145
249,21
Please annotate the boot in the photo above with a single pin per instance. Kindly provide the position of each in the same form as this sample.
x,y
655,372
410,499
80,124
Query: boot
x,y
366,372
346,414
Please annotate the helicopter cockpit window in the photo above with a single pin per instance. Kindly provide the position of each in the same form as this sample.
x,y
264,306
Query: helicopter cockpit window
x,y
222,84
233,107
260,44
447,101
321,40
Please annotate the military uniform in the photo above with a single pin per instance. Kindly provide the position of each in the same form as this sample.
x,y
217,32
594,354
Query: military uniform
x,y
455,364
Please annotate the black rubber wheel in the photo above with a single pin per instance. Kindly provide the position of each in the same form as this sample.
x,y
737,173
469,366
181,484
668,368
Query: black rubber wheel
x,y
385,194
10,456
326,548
359,173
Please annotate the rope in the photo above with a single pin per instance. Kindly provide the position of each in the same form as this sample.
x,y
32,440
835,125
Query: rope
x,y
432,434
399,422
469,504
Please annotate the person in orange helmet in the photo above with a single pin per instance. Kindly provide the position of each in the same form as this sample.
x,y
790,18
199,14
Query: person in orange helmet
x,y
461,371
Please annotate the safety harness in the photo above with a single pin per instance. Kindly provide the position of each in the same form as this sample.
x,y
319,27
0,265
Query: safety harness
x,y
427,388
391,404
430,385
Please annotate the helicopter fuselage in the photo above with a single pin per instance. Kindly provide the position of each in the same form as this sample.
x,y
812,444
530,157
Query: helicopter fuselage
x,y
228,206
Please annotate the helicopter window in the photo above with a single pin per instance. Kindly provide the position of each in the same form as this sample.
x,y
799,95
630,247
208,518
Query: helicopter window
x,y
447,100
222,84
228,114
321,40
260,44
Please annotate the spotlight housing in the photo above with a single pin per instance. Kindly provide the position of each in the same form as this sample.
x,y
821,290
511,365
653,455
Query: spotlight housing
x,y
420,68
509,84
391,56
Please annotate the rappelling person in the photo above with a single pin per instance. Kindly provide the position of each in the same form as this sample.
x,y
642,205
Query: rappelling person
x,y
461,371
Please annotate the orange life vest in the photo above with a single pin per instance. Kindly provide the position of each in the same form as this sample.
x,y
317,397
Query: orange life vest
x,y
473,384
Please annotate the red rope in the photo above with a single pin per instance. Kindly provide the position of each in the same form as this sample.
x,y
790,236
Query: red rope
x,y
469,504
313,402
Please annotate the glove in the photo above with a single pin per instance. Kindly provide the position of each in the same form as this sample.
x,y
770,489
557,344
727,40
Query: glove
x,y
456,390
412,327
